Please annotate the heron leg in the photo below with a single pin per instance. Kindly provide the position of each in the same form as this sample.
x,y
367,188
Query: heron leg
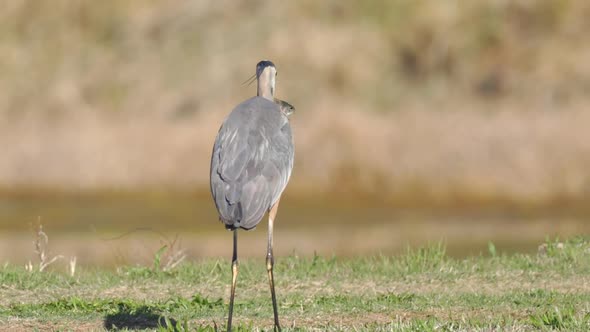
x,y
234,278
270,262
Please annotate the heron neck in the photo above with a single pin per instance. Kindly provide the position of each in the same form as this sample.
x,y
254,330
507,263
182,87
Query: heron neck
x,y
266,87
266,94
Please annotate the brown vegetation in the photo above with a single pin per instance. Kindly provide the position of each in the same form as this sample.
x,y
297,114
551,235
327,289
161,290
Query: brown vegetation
x,y
474,101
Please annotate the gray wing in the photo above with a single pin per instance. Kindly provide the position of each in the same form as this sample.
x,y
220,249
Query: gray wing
x,y
251,162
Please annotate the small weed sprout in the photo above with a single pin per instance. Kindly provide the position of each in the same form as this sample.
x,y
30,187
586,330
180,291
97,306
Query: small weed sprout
x,y
166,324
41,243
492,249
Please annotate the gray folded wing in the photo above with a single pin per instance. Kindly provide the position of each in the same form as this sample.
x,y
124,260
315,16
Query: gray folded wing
x,y
251,162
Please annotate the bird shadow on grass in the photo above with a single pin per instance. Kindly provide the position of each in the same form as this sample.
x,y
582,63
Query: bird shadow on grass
x,y
136,319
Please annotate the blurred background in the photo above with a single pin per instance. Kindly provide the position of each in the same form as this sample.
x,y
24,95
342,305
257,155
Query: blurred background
x,y
417,121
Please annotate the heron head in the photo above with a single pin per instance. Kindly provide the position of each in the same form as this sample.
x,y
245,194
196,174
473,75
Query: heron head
x,y
266,73
285,107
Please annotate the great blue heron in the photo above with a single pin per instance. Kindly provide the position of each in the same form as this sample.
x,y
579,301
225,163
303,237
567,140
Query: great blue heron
x,y
250,167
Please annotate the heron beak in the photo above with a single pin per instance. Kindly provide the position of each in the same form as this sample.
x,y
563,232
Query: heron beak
x,y
250,80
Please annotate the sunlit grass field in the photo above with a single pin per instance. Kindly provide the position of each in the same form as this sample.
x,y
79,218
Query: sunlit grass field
x,y
422,289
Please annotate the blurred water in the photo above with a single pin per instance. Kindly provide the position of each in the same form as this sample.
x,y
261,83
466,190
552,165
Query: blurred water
x,y
112,229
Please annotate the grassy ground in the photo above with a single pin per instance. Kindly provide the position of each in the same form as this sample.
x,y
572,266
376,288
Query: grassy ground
x,y
420,290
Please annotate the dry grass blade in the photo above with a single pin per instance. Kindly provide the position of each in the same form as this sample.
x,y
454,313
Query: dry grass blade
x,y
41,243
72,266
174,255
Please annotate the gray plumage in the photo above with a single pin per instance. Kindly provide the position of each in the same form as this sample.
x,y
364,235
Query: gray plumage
x,y
251,164
252,161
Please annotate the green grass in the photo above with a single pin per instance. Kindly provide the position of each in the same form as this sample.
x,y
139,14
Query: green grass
x,y
421,290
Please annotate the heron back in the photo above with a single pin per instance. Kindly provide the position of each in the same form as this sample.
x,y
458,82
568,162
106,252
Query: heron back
x,y
251,162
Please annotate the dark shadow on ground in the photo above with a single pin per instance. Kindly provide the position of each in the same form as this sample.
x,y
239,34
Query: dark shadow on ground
x,y
137,319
